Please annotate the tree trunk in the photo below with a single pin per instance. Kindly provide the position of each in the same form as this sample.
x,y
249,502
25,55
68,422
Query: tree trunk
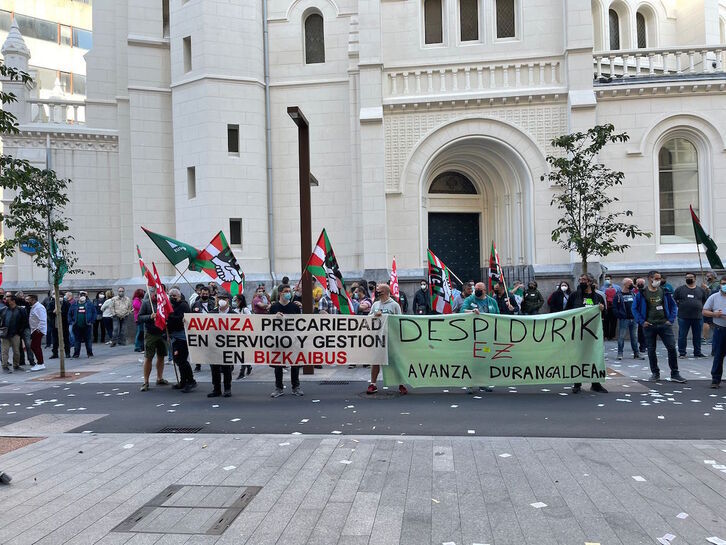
x,y
584,266
59,326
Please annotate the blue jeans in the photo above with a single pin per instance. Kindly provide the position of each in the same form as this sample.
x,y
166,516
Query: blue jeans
x,y
696,326
625,326
85,335
139,339
665,332
719,351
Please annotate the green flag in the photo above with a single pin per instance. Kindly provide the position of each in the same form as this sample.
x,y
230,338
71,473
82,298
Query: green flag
x,y
708,243
174,250
58,264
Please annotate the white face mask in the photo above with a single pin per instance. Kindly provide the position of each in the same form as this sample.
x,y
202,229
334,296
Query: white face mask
x,y
563,288
82,300
222,303
656,283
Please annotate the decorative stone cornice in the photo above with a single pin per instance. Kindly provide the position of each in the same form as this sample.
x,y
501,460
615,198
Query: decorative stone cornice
x,y
63,140
605,92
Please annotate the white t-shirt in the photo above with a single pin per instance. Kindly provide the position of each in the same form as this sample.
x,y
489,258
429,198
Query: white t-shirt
x,y
389,307
715,302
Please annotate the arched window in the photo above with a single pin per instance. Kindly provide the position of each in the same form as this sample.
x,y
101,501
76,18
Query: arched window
x,y
452,183
642,30
677,189
614,23
433,22
469,20
597,26
506,25
314,39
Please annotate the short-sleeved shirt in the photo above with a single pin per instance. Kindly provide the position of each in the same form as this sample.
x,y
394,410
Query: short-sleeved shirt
x,y
389,307
656,306
690,302
715,302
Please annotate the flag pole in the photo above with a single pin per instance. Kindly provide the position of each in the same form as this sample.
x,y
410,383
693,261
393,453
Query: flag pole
x,y
700,262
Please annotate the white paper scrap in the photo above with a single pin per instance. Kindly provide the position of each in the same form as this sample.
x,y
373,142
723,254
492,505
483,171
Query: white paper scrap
x,y
346,462
128,445
471,432
638,478
538,505
235,420
716,540
229,468
283,444
505,455
709,462
682,515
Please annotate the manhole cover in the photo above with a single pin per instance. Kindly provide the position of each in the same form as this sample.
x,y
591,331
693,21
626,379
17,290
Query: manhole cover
x,y
190,509
333,382
179,430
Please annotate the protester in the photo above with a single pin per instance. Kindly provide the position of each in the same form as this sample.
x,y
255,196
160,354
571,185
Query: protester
x,y
136,303
557,301
81,316
422,299
219,371
282,306
532,299
49,305
107,318
690,300
479,302
239,305
203,305
13,321
52,328
154,341
623,309
466,290
317,296
364,302
655,310
640,285
98,322
25,338
326,305
666,285
517,291
260,302
275,295
122,308
586,296
711,286
38,322
384,304
506,302
610,322
714,308
179,347
195,295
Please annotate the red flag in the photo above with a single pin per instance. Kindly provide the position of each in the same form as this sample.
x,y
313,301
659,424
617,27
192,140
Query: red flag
x,y
144,271
163,305
395,293
1,278
324,267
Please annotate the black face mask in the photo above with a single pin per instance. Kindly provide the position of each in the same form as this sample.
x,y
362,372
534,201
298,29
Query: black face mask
x,y
205,297
690,281
583,285
641,286
478,293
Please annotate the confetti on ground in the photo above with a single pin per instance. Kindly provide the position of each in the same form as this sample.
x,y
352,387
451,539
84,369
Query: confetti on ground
x,y
283,444
471,432
682,515
638,478
189,438
215,406
505,455
346,462
454,406
538,505
661,417
235,420
716,540
709,462
128,445
229,468
304,420
336,432
436,501
316,401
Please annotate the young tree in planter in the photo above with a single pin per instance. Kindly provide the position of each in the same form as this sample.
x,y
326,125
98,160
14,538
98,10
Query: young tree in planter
x,y
35,214
588,224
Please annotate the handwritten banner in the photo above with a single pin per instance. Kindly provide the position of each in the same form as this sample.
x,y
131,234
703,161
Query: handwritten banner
x,y
259,339
495,350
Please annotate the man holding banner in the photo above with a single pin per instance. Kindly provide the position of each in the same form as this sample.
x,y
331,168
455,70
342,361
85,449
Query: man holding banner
x,y
154,342
282,306
384,304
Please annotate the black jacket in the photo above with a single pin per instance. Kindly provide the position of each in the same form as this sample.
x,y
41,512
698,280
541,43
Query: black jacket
x,y
16,320
502,304
198,309
403,301
577,299
145,317
532,301
421,302
175,320
557,300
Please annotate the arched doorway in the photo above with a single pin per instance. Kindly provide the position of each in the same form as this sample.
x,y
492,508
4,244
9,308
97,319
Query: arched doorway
x,y
454,223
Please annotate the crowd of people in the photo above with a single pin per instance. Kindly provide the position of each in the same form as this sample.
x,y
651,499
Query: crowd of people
x,y
642,310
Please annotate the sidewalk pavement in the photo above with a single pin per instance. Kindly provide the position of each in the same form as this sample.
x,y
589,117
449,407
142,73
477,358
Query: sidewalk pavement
x,y
320,490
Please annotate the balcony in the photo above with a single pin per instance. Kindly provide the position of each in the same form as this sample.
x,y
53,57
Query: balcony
x,y
57,112
472,81
653,65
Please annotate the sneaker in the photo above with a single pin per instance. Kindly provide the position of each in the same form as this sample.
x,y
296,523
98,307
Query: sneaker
x,y
241,375
638,357
214,394
162,382
699,355
89,355
298,392
112,345
620,356
654,377
145,387
676,377
402,390
277,392
7,370
188,388
715,385
179,386
227,393
372,389
486,389
53,357
576,389
682,356
37,367
597,387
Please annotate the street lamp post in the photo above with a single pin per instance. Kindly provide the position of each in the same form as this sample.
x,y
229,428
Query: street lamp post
x,y
303,137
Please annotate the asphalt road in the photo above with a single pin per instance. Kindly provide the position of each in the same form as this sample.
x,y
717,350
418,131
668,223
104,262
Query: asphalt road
x,y
668,411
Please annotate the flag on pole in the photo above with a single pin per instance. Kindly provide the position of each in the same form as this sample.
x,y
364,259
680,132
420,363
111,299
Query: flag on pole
x,y
58,264
324,267
218,261
496,274
163,305
174,250
395,292
144,270
442,298
708,243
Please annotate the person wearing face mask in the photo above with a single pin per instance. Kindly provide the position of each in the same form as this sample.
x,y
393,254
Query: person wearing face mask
x,y
586,296
65,307
203,305
610,322
219,371
364,302
81,315
121,307
639,288
479,302
136,302
422,299
384,304
98,322
690,300
623,308
558,298
466,290
532,299
260,302
154,341
239,305
715,308
282,306
507,303
179,347
655,309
